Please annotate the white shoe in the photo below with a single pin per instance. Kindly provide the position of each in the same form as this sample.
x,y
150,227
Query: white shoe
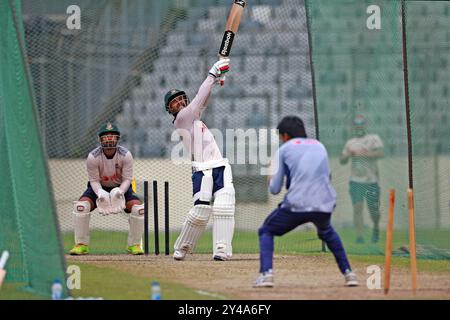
x,y
264,280
220,256
220,253
179,255
350,279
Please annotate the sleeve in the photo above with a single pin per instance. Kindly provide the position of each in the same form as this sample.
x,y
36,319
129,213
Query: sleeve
x,y
276,182
93,173
127,172
200,102
377,143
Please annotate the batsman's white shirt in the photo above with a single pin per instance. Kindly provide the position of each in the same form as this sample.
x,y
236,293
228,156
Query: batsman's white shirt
x,y
198,140
363,169
110,173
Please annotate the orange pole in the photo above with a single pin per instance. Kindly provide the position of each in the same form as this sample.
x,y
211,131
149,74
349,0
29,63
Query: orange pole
x,y
412,240
389,233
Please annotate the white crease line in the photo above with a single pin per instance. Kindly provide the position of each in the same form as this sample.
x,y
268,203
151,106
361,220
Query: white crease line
x,y
215,295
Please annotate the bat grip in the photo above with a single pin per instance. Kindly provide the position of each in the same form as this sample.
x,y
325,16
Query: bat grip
x,y
222,81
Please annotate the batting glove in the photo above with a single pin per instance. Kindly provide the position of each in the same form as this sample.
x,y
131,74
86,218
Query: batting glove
x,y
220,68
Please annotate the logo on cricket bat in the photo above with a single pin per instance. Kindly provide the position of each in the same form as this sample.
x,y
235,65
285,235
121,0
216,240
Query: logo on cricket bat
x,y
227,41
240,2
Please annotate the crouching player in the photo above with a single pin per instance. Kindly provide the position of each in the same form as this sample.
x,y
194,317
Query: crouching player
x,y
310,198
110,171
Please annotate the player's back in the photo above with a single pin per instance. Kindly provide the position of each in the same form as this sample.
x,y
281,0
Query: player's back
x,y
307,171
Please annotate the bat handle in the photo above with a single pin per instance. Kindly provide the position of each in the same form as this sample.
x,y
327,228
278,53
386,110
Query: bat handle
x,y
3,259
222,80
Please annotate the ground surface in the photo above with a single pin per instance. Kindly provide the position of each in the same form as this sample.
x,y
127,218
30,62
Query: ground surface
x,y
296,276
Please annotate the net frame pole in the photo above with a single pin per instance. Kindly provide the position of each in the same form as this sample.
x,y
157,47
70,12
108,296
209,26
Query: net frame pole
x,y
406,90
313,82
410,192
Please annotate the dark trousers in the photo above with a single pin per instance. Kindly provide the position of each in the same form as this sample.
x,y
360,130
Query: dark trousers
x,y
281,221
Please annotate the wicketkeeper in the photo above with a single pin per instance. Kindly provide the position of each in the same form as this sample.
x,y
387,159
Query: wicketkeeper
x,y
213,190
110,171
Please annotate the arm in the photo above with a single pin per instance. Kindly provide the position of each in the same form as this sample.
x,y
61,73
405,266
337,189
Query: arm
x,y
218,70
345,155
276,181
199,104
93,174
377,153
127,172
373,150
378,148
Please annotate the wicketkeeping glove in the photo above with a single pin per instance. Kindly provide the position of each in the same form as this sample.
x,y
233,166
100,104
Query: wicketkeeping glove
x,y
117,200
103,202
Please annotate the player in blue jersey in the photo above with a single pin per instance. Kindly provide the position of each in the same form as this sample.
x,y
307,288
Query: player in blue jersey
x,y
310,197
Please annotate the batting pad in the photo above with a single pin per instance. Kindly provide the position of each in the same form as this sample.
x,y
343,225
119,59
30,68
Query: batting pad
x,y
136,222
194,225
223,224
81,218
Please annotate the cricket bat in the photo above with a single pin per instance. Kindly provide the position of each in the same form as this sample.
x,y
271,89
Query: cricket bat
x,y
231,28
3,259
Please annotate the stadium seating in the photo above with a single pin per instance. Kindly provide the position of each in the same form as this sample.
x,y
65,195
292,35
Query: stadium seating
x,y
271,64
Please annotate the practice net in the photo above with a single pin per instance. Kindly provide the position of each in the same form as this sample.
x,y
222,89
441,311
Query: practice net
x,y
28,224
128,54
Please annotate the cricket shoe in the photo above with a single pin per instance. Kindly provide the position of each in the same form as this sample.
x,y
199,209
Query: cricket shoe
x,y
350,279
180,254
220,256
135,250
221,253
264,280
79,250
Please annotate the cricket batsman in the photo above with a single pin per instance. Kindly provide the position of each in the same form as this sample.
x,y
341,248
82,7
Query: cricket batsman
x,y
110,171
213,189
303,164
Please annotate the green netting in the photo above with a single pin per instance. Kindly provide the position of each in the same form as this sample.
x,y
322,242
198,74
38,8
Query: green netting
x,y
127,54
360,71
429,78
119,66
28,228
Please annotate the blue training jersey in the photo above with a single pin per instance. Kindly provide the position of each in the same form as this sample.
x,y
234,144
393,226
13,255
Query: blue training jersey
x,y
304,163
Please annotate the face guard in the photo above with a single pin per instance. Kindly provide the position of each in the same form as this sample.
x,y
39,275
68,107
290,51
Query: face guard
x,y
178,103
175,100
109,140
